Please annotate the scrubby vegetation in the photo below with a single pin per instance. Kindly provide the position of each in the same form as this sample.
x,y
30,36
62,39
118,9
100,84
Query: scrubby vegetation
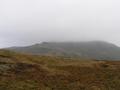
x,y
32,72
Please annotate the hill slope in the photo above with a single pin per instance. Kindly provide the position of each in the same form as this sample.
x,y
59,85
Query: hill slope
x,y
31,72
95,49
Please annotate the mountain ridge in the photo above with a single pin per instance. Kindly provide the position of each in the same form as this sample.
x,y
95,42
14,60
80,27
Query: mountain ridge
x,y
99,50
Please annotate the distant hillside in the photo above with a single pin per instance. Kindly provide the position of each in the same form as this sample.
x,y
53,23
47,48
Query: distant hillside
x,y
94,49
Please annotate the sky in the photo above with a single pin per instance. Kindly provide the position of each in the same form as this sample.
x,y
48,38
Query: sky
x,y
25,22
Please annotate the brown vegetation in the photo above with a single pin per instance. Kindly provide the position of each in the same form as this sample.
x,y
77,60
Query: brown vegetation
x,y
30,72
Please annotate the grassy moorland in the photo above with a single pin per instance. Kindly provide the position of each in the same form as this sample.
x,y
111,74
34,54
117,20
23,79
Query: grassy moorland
x,y
30,72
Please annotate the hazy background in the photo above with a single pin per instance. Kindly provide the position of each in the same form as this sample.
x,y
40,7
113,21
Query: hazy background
x,y
24,22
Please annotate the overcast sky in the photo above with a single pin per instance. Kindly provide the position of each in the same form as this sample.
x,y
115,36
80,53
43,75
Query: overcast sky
x,y
24,22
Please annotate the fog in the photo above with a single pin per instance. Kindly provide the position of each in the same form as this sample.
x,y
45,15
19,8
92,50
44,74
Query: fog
x,y
25,22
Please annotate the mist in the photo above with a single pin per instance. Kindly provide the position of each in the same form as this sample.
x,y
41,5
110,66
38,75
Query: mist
x,y
25,22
